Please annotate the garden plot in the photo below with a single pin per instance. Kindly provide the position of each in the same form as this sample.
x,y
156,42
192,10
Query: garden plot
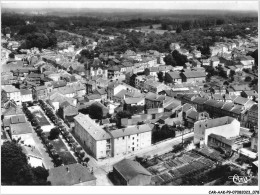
x,y
63,151
45,124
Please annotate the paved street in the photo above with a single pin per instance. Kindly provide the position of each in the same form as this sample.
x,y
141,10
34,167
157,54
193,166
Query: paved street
x,y
47,160
158,149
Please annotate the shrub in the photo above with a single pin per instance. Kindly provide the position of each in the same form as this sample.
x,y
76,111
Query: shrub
x,y
248,79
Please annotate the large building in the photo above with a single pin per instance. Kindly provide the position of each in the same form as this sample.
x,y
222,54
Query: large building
x,y
225,126
95,139
105,143
12,93
131,139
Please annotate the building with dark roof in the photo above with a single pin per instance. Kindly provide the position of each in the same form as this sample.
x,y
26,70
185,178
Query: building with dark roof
x,y
128,172
193,76
73,174
173,77
94,138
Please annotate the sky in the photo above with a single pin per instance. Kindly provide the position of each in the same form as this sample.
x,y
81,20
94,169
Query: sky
x,y
143,4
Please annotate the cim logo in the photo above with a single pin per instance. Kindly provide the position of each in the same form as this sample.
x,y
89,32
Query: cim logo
x,y
240,179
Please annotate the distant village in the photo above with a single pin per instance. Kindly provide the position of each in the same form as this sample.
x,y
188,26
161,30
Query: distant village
x,y
130,119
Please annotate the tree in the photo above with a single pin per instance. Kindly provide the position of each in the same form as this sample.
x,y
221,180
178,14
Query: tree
x,y
28,29
232,72
132,80
39,40
179,58
95,112
41,174
179,30
11,55
226,83
16,170
52,40
160,76
248,79
222,73
169,60
54,133
89,54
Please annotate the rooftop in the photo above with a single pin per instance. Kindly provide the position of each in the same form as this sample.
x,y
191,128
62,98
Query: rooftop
x,y
32,151
69,175
21,128
91,127
194,74
130,130
130,169
10,89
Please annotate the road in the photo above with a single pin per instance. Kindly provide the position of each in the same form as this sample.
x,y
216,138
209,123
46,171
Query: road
x,y
156,149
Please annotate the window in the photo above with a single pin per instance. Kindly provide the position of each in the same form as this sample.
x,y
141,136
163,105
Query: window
x,y
123,138
133,138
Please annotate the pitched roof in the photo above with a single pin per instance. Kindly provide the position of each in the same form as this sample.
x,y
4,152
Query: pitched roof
x,y
93,96
10,89
130,130
241,100
194,74
13,111
186,107
57,97
240,87
25,91
251,93
57,84
21,128
32,151
174,75
17,119
66,90
43,87
130,169
133,100
199,100
70,175
91,127
193,114
100,91
254,108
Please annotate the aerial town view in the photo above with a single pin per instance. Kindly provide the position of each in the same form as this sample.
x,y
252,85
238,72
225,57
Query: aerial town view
x,y
117,96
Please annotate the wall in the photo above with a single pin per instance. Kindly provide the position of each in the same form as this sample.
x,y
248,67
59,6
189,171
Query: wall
x,y
125,145
26,98
228,130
